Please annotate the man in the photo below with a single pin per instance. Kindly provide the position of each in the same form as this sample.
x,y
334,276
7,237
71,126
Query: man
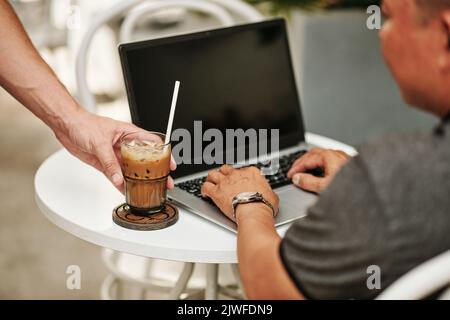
x,y
31,81
388,207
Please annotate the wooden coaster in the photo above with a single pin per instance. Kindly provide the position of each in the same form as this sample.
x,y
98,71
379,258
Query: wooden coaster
x,y
160,220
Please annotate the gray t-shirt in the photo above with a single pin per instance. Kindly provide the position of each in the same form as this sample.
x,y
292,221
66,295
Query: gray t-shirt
x,y
388,207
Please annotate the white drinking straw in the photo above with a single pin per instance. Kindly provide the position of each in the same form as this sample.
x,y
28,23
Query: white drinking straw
x,y
172,111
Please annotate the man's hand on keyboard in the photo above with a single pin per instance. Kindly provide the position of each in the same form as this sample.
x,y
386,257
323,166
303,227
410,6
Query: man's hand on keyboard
x,y
224,184
331,161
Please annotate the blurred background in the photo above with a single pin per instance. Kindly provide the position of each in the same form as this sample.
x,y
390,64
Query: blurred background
x,y
346,91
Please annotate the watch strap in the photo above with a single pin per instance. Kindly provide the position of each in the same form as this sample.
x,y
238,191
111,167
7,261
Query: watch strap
x,y
257,197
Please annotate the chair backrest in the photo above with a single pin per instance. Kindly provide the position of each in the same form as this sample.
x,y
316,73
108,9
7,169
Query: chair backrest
x,y
146,8
422,281
220,9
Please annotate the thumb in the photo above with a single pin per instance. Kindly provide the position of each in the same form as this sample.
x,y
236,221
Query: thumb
x,y
308,182
173,164
110,165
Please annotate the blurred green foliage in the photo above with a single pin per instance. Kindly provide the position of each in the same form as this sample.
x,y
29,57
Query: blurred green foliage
x,y
285,5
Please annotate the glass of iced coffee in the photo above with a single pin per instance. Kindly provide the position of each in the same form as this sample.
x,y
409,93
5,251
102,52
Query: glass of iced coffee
x,y
146,167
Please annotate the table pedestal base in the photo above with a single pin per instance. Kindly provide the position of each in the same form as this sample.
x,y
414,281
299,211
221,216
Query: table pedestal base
x,y
114,284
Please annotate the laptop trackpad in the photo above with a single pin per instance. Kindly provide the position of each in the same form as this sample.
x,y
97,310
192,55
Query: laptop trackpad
x,y
293,203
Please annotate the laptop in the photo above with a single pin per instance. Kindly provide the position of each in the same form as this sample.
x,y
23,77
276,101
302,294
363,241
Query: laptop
x,y
239,77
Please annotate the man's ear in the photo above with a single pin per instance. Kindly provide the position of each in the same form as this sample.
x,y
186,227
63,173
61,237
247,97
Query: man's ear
x,y
444,59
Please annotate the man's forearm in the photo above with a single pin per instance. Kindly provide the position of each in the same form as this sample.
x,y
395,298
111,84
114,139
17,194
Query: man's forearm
x,y
262,272
26,76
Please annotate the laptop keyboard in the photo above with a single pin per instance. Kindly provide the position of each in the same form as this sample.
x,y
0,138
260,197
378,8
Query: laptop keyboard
x,y
277,180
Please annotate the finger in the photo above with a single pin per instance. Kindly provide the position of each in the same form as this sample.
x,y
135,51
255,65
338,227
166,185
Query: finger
x,y
307,162
226,169
309,182
310,152
342,153
110,165
126,127
173,164
121,187
118,154
316,150
252,169
214,176
291,171
208,189
170,183
306,155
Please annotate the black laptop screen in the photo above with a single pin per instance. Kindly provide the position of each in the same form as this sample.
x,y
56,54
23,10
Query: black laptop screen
x,y
238,77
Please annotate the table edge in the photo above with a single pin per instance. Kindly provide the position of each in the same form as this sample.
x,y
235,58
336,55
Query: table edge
x,y
112,243
107,241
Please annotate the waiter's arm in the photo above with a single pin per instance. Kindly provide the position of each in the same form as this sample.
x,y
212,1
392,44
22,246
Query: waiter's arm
x,y
26,76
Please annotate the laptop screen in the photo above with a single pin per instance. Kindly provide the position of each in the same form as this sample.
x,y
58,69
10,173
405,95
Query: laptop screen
x,y
233,78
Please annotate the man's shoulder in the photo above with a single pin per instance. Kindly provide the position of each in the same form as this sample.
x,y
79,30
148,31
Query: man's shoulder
x,y
395,143
407,165
400,150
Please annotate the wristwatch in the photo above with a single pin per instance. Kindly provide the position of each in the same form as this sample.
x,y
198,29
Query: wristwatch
x,y
248,197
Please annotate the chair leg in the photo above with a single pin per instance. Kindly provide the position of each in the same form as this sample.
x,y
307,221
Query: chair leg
x,y
107,286
212,273
182,281
147,268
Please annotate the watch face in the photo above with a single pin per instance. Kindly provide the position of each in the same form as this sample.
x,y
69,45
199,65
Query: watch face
x,y
247,194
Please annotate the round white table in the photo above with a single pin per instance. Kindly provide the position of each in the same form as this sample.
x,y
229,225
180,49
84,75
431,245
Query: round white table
x,y
79,199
